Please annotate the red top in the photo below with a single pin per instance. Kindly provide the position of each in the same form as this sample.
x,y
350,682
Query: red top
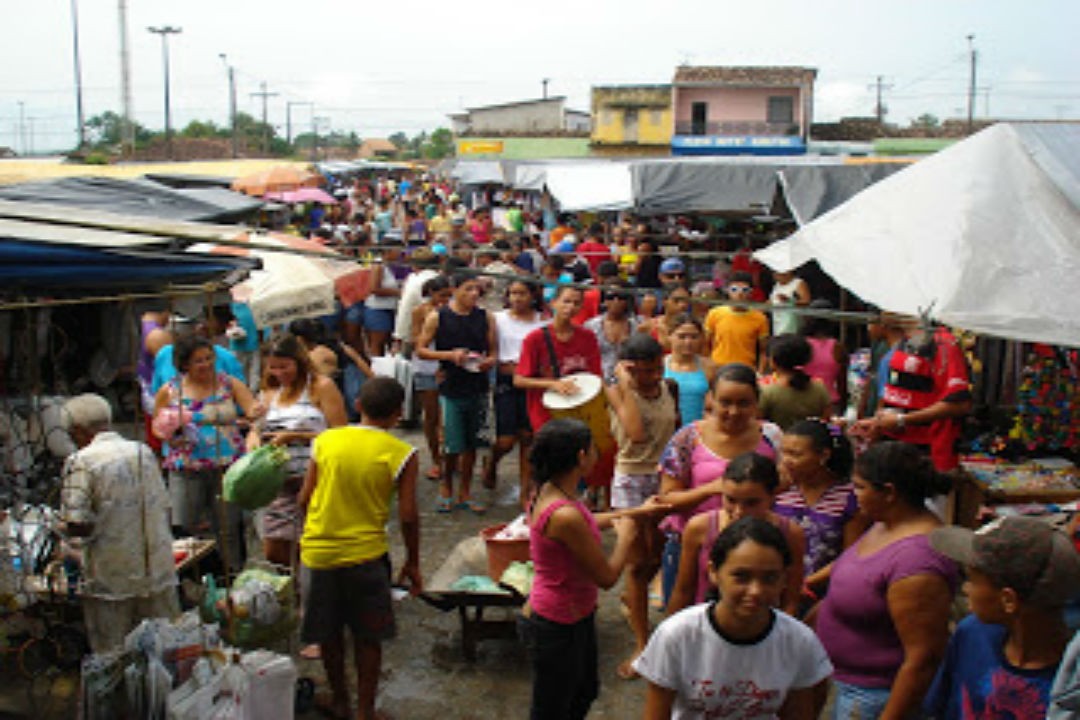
x,y
594,253
590,306
561,591
580,354
823,365
916,382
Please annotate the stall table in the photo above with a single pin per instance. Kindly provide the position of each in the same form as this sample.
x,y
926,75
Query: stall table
x,y
971,492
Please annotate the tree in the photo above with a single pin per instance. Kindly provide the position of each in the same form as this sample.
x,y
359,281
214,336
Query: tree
x,y
400,140
106,129
440,145
926,121
203,129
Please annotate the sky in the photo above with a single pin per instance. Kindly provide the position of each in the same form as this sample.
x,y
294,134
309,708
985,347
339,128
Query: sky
x,y
376,68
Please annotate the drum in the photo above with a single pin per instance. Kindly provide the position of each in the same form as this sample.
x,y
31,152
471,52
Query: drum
x,y
588,404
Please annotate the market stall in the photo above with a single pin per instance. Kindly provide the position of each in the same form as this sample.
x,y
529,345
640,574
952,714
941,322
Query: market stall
x,y
982,237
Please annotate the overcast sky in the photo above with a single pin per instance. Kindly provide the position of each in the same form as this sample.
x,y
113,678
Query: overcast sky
x,y
378,67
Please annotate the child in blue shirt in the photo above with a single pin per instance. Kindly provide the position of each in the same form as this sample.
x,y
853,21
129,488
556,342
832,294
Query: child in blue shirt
x,y
1002,659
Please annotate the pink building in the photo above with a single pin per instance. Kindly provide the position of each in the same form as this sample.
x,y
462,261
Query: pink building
x,y
742,110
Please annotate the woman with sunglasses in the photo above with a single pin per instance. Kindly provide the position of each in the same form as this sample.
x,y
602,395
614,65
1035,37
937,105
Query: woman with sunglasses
x,y
617,323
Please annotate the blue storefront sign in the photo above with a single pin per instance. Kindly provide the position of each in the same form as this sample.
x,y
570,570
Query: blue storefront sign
x,y
737,145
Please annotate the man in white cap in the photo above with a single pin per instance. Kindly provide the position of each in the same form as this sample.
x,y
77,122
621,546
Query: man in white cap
x,y
116,508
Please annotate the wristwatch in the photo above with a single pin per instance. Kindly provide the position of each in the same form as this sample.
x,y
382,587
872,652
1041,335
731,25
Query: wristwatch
x,y
900,422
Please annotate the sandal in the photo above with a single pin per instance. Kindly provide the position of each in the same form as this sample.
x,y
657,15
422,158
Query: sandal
x,y
434,474
477,507
443,505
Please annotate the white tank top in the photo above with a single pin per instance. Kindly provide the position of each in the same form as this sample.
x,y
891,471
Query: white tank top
x,y
511,334
384,302
785,322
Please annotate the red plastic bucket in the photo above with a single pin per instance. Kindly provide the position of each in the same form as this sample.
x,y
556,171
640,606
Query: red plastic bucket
x,y
500,553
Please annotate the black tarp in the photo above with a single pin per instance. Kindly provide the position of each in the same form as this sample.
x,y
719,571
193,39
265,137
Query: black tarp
x,y
142,198
811,191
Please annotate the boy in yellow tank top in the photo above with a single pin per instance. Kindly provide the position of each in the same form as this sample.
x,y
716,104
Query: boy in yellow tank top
x,y
344,551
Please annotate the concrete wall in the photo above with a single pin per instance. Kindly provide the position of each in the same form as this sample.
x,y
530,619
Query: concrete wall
x,y
611,107
539,116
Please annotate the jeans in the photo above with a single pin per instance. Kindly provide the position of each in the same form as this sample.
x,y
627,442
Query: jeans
x,y
564,665
859,703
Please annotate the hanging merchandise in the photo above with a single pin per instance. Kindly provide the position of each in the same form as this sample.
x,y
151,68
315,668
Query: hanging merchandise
x,y
1048,393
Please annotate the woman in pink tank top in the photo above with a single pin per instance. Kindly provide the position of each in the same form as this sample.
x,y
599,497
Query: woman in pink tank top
x,y
828,361
557,625
749,489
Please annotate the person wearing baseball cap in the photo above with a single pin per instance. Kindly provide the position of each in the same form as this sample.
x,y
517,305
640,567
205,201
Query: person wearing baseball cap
x,y
672,273
1002,659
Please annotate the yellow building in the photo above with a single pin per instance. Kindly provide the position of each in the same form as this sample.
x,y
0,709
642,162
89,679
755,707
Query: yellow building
x,y
632,120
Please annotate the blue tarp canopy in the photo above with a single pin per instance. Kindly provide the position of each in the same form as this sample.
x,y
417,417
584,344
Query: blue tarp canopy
x,y
30,266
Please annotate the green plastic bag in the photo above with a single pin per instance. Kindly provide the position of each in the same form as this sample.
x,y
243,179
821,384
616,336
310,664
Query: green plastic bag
x,y
256,478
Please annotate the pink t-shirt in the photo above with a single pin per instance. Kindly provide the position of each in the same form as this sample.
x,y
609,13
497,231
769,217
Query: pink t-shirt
x,y
687,459
854,623
561,590
823,365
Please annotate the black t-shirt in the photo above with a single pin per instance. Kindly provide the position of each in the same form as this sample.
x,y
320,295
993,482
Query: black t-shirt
x,y
648,275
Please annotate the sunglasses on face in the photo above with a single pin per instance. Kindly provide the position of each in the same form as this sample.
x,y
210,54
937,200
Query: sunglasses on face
x,y
674,274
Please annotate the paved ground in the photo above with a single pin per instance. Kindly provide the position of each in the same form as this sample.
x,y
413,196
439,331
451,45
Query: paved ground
x,y
425,674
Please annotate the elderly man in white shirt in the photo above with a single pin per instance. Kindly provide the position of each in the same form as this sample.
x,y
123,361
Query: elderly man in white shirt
x,y
116,508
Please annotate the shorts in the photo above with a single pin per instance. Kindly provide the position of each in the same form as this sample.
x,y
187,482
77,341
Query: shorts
x,y
424,382
511,414
631,491
353,596
852,701
378,319
464,420
354,315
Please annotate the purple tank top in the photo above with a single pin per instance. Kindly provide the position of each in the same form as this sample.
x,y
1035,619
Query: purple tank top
x,y
854,623
823,365
144,368
561,590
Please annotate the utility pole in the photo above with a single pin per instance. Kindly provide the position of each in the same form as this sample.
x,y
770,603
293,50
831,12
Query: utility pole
x,y
232,101
165,31
22,128
78,73
971,87
879,110
316,123
127,127
266,127
544,83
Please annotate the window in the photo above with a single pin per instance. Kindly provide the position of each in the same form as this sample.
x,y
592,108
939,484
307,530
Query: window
x,y
699,118
630,125
781,109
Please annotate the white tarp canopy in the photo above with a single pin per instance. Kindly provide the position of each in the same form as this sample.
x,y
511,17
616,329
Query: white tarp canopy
x,y
591,186
984,235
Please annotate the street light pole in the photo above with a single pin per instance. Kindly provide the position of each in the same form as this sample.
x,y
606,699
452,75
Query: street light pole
x,y
232,101
165,31
78,73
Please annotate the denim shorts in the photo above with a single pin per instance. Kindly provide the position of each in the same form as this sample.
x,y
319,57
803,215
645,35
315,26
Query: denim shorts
x,y
378,320
859,703
423,382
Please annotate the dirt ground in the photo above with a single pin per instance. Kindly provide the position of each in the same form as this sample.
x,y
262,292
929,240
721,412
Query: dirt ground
x,y
425,674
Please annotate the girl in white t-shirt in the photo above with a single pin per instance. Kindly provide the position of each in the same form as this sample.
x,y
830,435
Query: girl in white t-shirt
x,y
738,657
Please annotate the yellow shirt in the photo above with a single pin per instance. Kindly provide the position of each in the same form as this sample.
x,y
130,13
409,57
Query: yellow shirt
x,y
735,335
358,467
439,225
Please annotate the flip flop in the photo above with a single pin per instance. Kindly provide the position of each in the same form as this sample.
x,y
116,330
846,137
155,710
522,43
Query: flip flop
x,y
477,507
443,505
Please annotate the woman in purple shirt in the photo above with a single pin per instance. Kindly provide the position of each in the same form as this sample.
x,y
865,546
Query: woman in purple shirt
x,y
816,468
885,619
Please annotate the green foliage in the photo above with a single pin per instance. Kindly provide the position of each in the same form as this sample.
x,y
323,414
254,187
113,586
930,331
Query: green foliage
x,y
204,129
400,140
926,121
